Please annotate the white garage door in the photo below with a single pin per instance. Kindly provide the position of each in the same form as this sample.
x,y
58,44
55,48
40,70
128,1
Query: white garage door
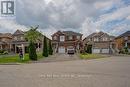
x,y
105,51
61,50
96,51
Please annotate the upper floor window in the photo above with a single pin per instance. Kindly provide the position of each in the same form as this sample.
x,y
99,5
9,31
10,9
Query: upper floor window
x,y
126,38
15,38
62,38
78,37
3,39
96,39
70,37
111,38
21,38
105,39
89,39
55,37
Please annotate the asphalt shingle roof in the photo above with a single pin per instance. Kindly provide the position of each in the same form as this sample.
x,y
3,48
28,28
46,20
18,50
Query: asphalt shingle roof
x,y
71,33
124,34
18,32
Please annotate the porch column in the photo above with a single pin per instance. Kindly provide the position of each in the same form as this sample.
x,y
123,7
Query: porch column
x,y
38,47
23,50
15,49
10,46
126,44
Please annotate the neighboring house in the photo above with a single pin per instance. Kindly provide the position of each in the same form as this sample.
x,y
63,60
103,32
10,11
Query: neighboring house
x,y
19,41
14,42
5,41
99,42
123,41
62,41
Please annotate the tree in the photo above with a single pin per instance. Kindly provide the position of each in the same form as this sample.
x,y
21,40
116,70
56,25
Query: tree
x,y
50,48
45,50
32,51
32,36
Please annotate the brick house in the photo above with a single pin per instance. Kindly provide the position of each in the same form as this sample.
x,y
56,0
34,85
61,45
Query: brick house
x,y
5,41
123,41
99,42
14,42
62,41
20,41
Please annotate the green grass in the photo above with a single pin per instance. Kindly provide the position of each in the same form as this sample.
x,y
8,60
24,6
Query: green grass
x,y
16,59
91,56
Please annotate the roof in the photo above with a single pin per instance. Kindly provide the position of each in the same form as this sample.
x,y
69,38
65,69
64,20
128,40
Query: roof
x,y
98,34
91,35
71,33
9,35
67,33
127,33
18,32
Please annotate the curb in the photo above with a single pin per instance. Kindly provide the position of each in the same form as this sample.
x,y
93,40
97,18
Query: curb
x,y
10,63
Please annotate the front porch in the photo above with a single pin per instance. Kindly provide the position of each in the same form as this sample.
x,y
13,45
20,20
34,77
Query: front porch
x,y
5,46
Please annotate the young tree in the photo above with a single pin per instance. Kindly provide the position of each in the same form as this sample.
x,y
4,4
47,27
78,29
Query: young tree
x,y
32,51
32,36
45,47
50,48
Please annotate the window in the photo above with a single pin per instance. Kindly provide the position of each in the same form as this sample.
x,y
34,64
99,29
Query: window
x,y
96,39
89,39
110,38
78,37
15,38
70,37
105,39
21,38
62,38
55,37
126,38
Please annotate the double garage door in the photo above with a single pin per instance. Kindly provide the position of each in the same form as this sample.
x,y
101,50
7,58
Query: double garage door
x,y
100,50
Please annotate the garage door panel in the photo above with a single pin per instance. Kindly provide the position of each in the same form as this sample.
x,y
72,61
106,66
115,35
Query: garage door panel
x,y
61,50
96,50
105,51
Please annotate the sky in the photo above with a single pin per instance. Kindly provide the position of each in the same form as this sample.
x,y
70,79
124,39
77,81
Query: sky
x,y
84,16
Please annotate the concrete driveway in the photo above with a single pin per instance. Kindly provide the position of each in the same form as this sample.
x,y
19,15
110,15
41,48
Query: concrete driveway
x,y
106,72
59,58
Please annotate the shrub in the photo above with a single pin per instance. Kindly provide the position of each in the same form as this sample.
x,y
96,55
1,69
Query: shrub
x,y
5,52
1,51
126,50
50,48
89,49
121,51
45,49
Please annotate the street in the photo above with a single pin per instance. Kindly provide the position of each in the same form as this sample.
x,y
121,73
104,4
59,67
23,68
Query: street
x,y
105,72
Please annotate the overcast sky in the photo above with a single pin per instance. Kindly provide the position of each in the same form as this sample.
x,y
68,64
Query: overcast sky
x,y
85,16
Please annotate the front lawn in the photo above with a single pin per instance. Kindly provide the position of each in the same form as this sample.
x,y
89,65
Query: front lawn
x,y
16,59
91,56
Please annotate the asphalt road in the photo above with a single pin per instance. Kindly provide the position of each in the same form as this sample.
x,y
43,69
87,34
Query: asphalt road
x,y
105,72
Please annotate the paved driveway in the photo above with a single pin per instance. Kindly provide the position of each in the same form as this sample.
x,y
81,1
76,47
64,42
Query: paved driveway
x,y
107,72
59,58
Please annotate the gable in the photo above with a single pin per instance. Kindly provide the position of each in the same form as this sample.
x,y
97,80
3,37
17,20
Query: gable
x,y
18,32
